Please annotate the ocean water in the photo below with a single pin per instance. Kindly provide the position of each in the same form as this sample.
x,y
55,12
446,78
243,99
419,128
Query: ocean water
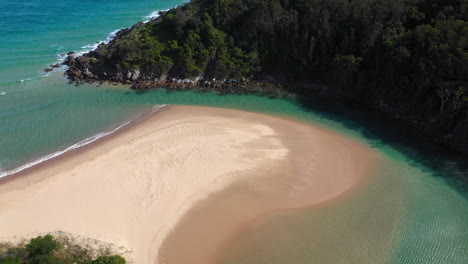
x,y
39,112
407,215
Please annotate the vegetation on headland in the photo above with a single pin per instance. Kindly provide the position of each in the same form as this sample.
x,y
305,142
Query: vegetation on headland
x,y
408,58
47,250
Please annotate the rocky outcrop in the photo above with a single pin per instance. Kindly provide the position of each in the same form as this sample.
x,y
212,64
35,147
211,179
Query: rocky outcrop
x,y
81,70
182,50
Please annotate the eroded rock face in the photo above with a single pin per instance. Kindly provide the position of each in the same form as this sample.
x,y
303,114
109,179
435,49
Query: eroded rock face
x,y
89,74
133,75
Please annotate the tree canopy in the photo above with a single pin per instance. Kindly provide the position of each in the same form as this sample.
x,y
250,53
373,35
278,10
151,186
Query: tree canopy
x,y
397,53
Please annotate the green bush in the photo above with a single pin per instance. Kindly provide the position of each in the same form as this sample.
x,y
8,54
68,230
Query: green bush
x,y
42,246
46,250
110,260
46,259
11,260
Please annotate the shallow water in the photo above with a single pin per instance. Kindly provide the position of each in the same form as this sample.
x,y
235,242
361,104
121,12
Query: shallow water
x,y
358,227
401,217
407,215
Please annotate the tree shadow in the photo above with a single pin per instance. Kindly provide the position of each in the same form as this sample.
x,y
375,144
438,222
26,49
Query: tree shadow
x,y
377,127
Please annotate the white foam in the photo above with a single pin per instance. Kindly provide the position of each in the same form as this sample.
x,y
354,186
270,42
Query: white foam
x,y
110,37
152,15
25,80
84,49
72,147
46,74
2,93
90,47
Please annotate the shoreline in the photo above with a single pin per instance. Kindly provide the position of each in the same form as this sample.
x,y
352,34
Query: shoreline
x,y
95,141
254,144
263,202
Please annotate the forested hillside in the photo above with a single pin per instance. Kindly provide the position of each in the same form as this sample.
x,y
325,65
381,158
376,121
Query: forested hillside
x,y
405,57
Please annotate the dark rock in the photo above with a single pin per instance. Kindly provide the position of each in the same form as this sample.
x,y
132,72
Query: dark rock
x,y
89,74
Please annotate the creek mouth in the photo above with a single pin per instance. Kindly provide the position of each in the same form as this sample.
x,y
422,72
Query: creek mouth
x,y
321,168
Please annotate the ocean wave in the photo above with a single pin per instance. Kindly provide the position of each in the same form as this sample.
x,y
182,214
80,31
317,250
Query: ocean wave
x,y
12,82
90,47
111,36
2,93
25,80
61,57
74,146
152,15
10,110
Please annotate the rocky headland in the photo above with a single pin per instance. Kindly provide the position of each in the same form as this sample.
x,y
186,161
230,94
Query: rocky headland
x,y
393,57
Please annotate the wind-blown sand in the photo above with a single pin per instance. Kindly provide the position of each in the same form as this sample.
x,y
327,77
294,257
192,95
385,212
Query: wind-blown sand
x,y
133,188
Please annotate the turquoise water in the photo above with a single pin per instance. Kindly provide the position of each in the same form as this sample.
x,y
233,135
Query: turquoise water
x,y
42,114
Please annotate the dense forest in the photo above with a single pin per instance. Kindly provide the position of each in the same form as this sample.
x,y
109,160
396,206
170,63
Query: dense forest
x,y
47,250
405,57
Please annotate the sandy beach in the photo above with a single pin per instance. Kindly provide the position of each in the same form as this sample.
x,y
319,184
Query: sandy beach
x,y
138,188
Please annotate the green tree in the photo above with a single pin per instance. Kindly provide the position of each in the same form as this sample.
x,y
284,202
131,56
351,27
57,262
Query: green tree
x,y
42,246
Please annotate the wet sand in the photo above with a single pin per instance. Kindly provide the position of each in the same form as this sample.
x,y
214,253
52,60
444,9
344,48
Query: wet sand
x,y
150,188
321,166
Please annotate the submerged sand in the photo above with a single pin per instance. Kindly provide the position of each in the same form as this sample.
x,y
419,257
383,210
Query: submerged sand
x,y
139,188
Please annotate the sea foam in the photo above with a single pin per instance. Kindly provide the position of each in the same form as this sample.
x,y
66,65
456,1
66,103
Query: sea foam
x,y
90,47
25,80
152,15
74,146
84,49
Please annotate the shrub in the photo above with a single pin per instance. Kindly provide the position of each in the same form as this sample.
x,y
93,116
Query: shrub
x,y
109,260
46,250
11,260
46,259
42,246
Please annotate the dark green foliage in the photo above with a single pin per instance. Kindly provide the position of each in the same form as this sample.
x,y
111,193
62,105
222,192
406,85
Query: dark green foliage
x,y
46,250
109,260
42,246
408,45
46,259
185,43
399,53
11,260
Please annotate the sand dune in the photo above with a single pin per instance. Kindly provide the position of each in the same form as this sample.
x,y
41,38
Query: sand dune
x,y
132,189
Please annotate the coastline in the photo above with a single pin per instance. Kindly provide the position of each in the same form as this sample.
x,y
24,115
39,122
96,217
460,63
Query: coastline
x,y
288,186
428,121
92,141
410,207
257,144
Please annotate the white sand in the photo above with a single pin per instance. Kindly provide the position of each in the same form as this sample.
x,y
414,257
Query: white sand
x,y
131,189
